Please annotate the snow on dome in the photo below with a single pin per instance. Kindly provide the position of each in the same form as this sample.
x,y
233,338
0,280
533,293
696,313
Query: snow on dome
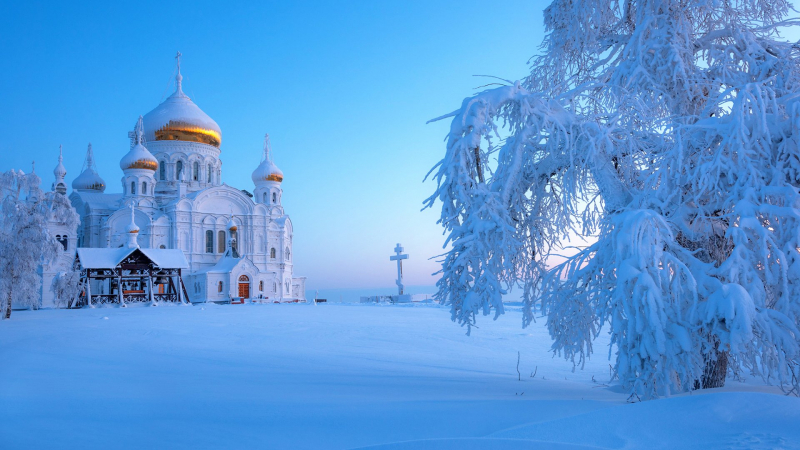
x,y
139,157
132,228
60,171
179,119
267,170
89,180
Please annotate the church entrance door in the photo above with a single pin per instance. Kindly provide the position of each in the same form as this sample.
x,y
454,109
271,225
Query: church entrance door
x,y
244,286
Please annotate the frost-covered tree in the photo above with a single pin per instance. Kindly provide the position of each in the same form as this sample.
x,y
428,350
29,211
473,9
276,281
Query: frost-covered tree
x,y
66,287
25,241
668,130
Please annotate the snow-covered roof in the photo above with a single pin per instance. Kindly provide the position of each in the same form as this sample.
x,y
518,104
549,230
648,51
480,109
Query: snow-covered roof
x,y
107,258
97,200
224,265
167,258
102,258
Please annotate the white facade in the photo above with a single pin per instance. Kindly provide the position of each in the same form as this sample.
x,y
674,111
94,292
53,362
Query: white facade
x,y
171,176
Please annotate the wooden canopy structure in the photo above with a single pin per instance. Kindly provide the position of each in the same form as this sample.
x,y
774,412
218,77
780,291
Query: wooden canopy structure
x,y
130,275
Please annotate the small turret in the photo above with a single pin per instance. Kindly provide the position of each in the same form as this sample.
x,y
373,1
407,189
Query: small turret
x,y
60,172
138,166
267,178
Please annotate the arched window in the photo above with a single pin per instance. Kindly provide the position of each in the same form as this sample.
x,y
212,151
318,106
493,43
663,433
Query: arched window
x,y
234,241
178,170
162,170
274,287
243,279
287,286
272,253
208,174
261,285
274,197
196,171
265,197
287,253
144,187
162,246
63,241
221,242
133,188
219,287
209,241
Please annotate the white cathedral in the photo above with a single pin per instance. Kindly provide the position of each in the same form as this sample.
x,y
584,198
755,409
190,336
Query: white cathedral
x,y
172,178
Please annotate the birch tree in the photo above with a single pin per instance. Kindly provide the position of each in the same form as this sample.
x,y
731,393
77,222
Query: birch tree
x,y
25,241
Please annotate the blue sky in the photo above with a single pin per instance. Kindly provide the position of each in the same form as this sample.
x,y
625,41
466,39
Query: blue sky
x,y
344,89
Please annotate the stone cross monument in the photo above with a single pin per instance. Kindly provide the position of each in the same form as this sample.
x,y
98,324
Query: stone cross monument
x,y
399,257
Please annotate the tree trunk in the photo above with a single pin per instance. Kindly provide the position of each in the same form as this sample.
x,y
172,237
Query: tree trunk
x,y
715,370
8,306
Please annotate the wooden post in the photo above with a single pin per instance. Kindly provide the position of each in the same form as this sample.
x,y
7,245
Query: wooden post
x,y
178,286
89,288
119,290
150,286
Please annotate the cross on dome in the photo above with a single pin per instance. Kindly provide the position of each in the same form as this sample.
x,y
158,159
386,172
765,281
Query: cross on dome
x,y
178,77
139,132
88,163
267,148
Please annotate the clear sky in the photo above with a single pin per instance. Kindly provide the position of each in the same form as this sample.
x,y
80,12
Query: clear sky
x,y
343,88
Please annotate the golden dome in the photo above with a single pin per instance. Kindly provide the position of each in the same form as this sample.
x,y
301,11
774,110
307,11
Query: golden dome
x,y
144,164
179,119
139,157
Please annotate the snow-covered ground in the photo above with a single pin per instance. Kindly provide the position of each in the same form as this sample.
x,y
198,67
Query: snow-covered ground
x,y
339,376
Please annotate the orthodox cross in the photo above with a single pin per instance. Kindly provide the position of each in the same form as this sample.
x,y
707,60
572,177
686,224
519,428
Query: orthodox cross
x,y
399,257
178,77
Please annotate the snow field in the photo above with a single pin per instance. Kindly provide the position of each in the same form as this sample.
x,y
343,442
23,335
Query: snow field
x,y
338,376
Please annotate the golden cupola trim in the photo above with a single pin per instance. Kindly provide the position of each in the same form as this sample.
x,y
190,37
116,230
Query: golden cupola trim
x,y
138,157
267,170
179,119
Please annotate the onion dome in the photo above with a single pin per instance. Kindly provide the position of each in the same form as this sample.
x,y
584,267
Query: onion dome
x,y
179,119
231,225
267,170
89,180
60,171
139,157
